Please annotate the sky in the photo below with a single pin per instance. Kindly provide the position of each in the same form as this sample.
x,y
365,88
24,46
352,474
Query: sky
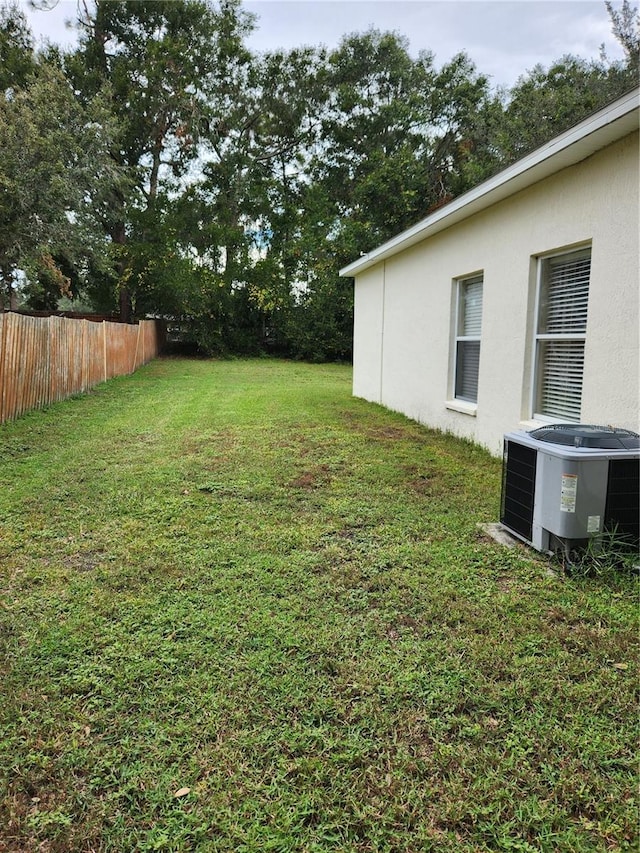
x,y
504,38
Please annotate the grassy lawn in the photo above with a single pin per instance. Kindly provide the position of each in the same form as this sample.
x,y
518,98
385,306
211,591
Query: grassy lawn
x,y
242,611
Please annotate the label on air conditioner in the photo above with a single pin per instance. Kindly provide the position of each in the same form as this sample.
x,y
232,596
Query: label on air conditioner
x,y
568,492
593,524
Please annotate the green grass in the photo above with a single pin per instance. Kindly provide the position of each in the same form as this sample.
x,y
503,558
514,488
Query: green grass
x,y
233,577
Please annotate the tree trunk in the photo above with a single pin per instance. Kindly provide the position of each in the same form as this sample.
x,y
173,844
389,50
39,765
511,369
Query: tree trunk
x,y
155,172
119,237
8,296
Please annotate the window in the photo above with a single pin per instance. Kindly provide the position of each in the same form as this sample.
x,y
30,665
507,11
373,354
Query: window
x,y
563,295
467,354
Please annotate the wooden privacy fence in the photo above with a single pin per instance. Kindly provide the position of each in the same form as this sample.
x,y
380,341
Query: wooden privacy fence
x,y
46,359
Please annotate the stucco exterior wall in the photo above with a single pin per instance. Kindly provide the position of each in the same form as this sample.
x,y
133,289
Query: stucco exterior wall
x,y
405,306
367,333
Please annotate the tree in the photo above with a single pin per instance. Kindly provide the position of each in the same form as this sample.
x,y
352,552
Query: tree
x,y
395,135
547,101
251,156
50,176
16,48
625,25
166,62
270,156
230,187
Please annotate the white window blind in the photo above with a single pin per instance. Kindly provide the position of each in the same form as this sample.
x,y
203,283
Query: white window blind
x,y
562,326
469,328
471,293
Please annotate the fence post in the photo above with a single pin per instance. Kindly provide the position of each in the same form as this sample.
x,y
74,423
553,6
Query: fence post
x,y
47,392
3,365
104,348
135,355
84,366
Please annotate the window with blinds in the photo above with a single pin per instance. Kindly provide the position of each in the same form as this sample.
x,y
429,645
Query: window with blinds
x,y
560,335
469,327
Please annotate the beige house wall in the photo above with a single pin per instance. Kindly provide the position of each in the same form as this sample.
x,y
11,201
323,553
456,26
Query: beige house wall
x,y
405,306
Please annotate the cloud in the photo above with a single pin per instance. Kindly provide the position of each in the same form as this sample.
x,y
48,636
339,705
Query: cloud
x,y
504,38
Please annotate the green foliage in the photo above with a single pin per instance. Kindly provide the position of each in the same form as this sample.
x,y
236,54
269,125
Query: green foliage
x,y
189,178
393,137
16,48
166,64
625,24
546,102
222,320
609,557
159,58
320,325
51,175
388,145
49,284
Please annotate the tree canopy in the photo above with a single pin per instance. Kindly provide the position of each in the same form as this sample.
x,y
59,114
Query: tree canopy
x,y
189,178
53,174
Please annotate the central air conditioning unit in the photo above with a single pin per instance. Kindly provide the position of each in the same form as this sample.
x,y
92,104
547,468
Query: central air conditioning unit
x,y
564,485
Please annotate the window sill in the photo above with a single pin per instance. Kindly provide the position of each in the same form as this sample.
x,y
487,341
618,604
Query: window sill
x,y
462,407
536,423
530,424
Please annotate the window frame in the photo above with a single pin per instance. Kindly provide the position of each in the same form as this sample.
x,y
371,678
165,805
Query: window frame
x,y
542,338
458,338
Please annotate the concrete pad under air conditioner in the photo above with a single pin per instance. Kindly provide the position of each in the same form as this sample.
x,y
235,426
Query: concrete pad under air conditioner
x,y
498,533
502,536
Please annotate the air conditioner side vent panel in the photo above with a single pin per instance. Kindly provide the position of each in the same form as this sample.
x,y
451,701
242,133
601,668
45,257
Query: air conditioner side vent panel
x,y
518,488
622,510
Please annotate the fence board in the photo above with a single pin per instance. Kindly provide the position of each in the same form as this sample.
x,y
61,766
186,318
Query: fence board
x,y
46,359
